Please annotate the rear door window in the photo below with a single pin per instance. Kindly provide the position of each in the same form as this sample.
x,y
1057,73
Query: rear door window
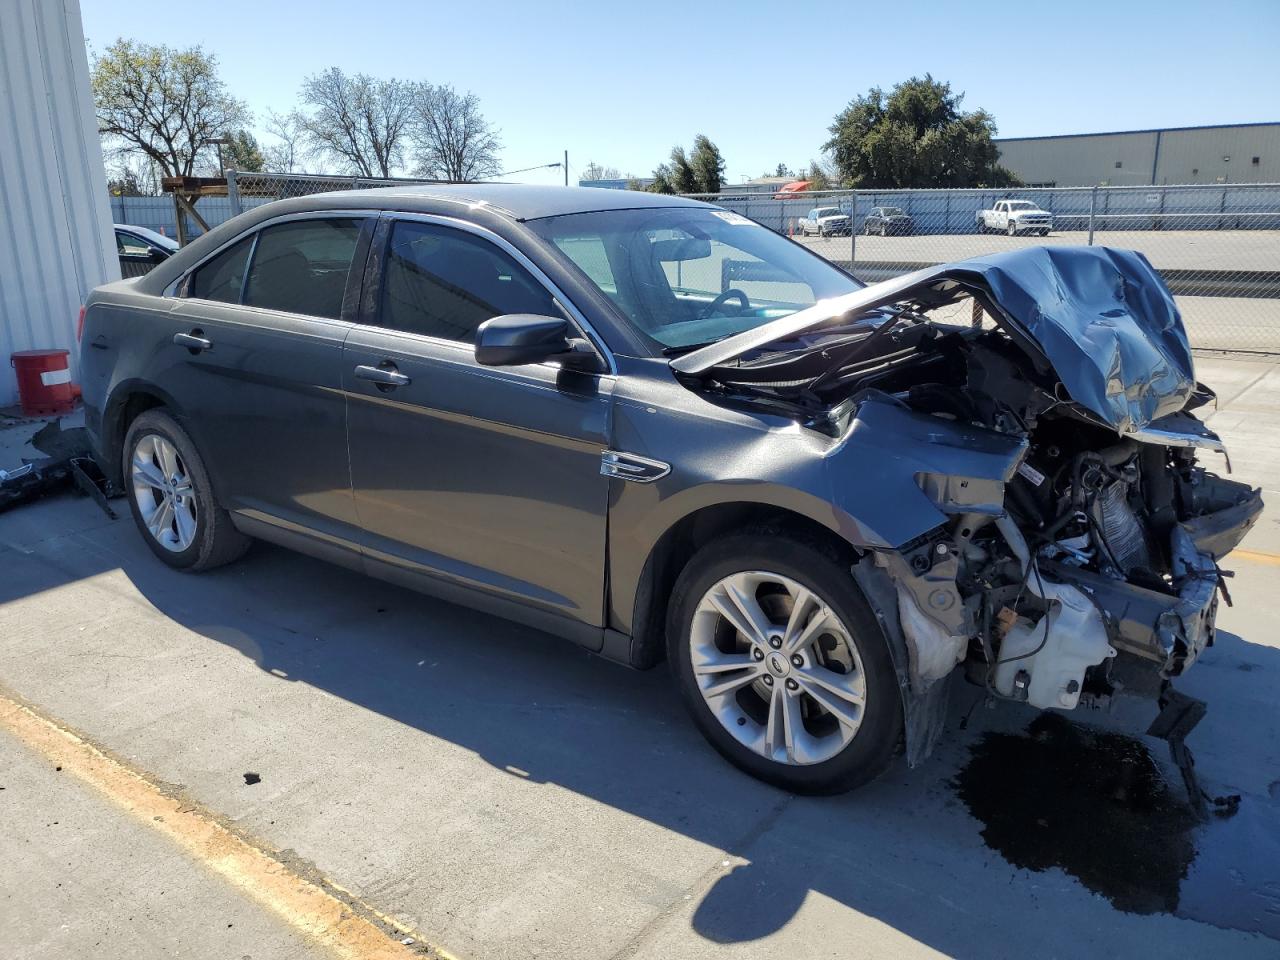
x,y
301,266
222,277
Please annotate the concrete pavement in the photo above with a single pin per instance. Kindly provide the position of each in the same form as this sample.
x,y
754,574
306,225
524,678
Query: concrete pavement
x,y
82,878
507,795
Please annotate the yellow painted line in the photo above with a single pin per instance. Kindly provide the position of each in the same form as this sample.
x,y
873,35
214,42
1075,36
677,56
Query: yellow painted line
x,y
314,906
1271,559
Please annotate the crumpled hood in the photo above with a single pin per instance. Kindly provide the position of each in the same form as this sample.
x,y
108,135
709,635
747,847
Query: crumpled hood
x,y
1103,319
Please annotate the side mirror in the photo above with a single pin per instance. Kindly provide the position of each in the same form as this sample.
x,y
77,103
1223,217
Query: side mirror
x,y
157,255
519,338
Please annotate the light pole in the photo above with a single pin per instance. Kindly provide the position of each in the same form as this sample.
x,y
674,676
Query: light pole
x,y
218,142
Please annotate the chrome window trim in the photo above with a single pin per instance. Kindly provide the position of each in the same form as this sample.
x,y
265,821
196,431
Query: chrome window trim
x,y
575,315
179,283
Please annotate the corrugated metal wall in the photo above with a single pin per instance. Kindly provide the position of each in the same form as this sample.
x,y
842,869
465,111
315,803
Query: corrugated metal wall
x,y
1217,154
56,242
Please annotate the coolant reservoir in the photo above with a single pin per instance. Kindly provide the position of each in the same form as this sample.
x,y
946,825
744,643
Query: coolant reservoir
x,y
1054,652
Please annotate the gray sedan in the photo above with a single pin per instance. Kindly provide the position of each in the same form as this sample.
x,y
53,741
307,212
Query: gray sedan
x,y
660,430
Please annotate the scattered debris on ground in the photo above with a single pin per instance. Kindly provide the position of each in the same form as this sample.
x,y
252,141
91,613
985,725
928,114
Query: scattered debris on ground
x,y
252,778
67,462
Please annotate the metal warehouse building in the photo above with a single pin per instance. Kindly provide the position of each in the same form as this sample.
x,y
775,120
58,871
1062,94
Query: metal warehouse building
x,y
1230,153
56,242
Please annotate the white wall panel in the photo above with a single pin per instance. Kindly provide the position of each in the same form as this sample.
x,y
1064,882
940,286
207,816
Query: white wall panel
x,y
56,242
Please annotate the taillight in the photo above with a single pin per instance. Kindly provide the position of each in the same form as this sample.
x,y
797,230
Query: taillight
x,y
80,325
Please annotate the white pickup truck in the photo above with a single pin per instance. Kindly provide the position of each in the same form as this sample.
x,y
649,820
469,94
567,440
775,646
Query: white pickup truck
x,y
1014,217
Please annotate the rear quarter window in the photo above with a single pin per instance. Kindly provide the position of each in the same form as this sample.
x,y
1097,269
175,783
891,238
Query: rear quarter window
x,y
221,277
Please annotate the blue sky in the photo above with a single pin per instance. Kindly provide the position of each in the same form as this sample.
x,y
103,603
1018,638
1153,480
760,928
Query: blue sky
x,y
620,84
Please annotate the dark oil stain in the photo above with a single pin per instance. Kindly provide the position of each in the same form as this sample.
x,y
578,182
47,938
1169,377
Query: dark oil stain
x,y
1092,803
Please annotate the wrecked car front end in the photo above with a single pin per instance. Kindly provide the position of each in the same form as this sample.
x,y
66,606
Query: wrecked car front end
x,y
1015,440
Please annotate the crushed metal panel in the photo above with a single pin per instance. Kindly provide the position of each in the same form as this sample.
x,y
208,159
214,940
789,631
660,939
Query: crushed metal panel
x,y
1103,319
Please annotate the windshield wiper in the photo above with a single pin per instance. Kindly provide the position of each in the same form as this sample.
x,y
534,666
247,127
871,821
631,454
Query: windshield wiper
x,y
688,347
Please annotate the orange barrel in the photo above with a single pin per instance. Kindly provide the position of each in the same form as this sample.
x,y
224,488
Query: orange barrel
x,y
44,381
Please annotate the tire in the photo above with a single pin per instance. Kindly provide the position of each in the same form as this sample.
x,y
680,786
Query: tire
x,y
1012,229
1044,233
828,756
199,534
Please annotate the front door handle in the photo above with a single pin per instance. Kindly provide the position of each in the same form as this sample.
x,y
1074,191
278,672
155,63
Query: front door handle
x,y
193,341
384,376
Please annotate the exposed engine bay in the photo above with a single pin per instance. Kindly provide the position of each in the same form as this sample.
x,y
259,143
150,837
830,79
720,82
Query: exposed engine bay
x,y
1050,422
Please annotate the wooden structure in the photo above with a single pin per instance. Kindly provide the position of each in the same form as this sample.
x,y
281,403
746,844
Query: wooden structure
x,y
186,191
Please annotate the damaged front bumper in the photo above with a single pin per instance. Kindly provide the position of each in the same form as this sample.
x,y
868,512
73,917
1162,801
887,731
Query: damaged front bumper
x,y
1170,631
932,606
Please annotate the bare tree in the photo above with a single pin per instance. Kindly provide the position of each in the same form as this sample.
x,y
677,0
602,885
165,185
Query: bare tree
x,y
161,103
452,140
360,122
289,155
594,171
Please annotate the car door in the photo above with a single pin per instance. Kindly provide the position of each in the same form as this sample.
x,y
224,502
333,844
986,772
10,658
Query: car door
x,y
473,481
137,256
258,334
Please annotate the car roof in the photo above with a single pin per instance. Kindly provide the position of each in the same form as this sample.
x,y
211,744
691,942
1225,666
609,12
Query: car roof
x,y
520,201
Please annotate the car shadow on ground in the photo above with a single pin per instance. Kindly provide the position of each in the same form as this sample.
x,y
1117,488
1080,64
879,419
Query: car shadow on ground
x,y
905,850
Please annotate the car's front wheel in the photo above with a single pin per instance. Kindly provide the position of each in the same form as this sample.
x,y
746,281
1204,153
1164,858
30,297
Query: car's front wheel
x,y
171,498
783,665
1012,229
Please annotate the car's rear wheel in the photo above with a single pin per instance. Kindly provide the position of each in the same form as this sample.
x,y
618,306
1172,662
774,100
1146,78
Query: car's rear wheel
x,y
171,498
783,665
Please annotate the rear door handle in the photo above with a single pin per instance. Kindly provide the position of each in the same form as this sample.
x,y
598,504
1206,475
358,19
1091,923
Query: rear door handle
x,y
193,341
385,376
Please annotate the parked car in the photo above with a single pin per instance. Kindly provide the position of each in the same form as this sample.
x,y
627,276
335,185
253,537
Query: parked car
x,y
825,222
659,429
1014,217
888,221
141,249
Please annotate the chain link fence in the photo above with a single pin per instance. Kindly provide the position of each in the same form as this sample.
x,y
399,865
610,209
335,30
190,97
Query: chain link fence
x,y
1217,246
246,190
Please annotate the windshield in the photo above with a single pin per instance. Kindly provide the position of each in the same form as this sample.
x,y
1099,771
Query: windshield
x,y
893,212
687,276
827,212
1021,205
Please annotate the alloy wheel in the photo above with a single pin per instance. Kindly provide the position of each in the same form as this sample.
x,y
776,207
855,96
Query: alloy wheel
x,y
777,668
163,493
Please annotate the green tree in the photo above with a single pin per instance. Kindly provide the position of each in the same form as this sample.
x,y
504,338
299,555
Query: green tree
x,y
162,103
243,152
708,165
701,171
915,136
818,176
